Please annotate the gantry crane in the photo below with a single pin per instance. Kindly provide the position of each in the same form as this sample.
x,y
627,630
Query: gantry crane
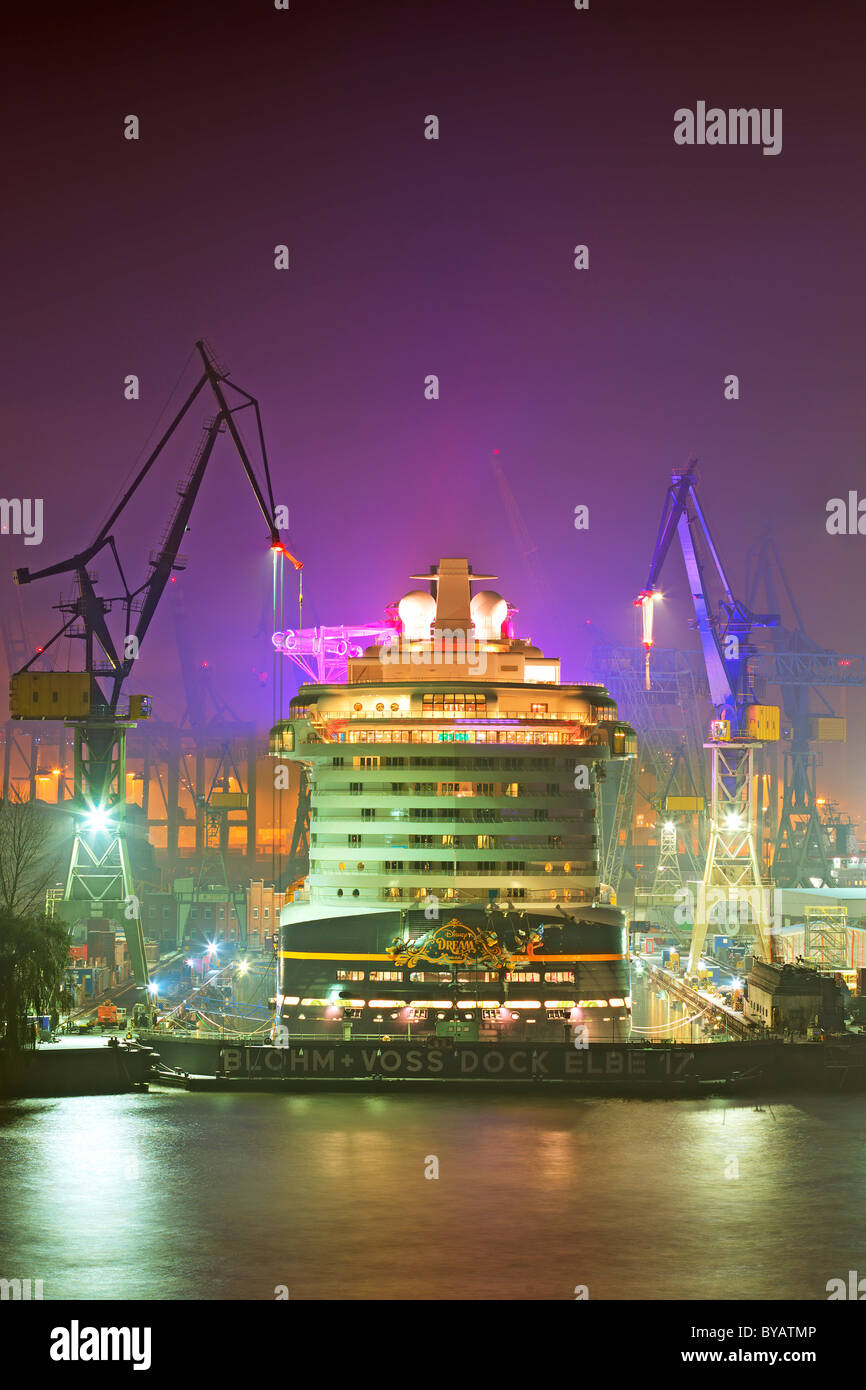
x,y
741,724
98,879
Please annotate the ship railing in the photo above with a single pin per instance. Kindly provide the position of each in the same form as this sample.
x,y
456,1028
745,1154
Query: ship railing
x,y
442,716
429,790
465,896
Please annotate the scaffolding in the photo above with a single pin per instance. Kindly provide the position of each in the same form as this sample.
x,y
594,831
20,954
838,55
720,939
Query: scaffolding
x,y
825,944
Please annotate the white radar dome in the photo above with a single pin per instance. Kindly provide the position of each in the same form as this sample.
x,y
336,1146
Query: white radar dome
x,y
489,611
417,611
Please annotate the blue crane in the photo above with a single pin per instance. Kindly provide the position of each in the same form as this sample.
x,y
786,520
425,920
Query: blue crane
x,y
725,630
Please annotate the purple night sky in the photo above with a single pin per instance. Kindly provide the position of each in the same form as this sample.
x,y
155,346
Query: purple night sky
x,y
453,257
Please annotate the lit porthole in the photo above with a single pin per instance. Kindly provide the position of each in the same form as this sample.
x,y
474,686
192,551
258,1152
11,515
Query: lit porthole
x,y
548,868
394,708
341,866
360,868
566,868
380,708
567,895
358,705
552,894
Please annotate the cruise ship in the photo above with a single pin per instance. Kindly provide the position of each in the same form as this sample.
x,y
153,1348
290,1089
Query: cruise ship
x,y
453,888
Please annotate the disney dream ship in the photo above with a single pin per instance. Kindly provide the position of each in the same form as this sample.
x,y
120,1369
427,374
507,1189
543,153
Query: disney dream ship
x,y
454,874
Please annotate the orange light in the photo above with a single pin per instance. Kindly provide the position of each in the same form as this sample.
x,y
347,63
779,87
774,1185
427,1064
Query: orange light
x,y
278,546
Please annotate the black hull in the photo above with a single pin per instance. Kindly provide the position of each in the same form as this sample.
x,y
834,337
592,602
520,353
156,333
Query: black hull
x,y
74,1071
753,1068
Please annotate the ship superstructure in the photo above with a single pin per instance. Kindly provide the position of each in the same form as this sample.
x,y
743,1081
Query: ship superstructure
x,y
453,832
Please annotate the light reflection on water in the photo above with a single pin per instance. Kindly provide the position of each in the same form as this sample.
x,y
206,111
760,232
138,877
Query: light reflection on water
x,y
188,1196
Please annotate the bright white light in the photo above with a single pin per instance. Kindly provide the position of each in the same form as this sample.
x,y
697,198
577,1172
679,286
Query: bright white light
x,y
732,820
669,825
98,819
243,967
153,987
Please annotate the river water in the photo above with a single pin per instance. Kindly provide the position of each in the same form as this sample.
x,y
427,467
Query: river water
x,y
173,1195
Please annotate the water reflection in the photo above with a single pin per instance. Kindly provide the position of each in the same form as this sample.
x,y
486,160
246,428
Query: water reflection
x,y
185,1196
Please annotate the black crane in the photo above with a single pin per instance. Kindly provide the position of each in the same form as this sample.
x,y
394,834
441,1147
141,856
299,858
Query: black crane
x,y
98,880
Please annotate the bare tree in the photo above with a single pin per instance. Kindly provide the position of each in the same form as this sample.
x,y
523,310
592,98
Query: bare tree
x,y
28,866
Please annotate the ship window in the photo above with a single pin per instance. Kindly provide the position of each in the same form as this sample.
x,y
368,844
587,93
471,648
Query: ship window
x,y
350,975
559,977
386,975
439,702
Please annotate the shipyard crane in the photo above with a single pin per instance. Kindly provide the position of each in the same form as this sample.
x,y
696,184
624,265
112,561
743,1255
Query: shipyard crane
x,y
725,629
99,878
798,664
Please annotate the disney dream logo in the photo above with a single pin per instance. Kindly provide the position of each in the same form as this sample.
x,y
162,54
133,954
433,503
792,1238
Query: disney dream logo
x,y
454,943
